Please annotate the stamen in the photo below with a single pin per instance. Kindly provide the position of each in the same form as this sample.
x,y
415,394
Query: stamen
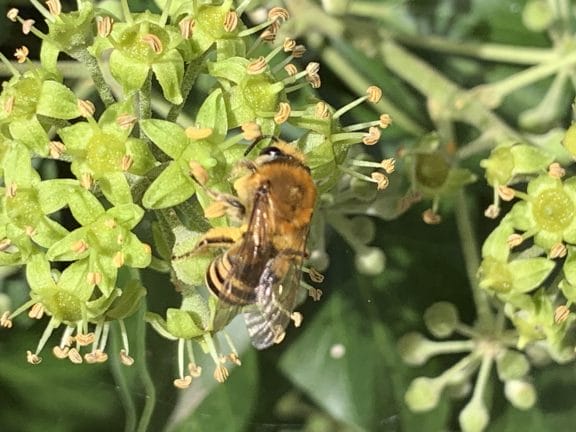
x,y
514,240
153,42
5,320
430,217
231,21
86,180
558,251
126,120
195,133
322,110
27,26
54,6
506,193
119,259
74,356
36,311
372,136
187,27
33,358
124,353
381,180
126,162
21,54
556,170
86,108
297,318
9,104
561,314
198,172
79,247
56,149
104,26
492,211
251,131
12,14
283,113
257,66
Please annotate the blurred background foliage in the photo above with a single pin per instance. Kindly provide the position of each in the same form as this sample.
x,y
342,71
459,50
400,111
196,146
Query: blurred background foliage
x,y
341,370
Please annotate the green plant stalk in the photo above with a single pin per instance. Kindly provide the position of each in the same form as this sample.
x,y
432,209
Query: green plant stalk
x,y
104,91
487,52
192,71
445,99
144,102
123,387
472,259
143,373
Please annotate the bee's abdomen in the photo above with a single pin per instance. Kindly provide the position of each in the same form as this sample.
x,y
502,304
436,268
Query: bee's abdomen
x,y
230,288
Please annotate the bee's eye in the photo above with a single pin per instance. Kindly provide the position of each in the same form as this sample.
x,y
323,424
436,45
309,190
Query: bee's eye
x,y
272,151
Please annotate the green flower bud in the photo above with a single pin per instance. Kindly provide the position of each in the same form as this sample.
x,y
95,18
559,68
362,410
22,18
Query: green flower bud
x,y
474,417
512,365
415,349
441,319
520,393
423,394
537,15
370,261
363,229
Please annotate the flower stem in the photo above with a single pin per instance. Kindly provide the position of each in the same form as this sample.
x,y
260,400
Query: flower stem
x,y
123,387
471,258
190,76
143,372
104,91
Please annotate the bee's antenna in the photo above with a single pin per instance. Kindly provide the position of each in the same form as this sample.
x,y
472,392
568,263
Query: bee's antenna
x,y
258,140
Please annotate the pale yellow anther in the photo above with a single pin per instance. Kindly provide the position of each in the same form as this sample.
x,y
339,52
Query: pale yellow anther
x,y
21,54
321,110
374,94
385,120
9,104
312,68
278,14
56,149
315,275
86,108
79,247
196,133
561,314
558,251
74,356
125,359
187,27
119,259
297,317
257,66
389,165
314,80
85,339
230,21
126,162
506,193
110,223
27,26
153,42
430,217
283,113
215,209
5,243
269,34
514,240
298,51
556,170
126,120
198,172
60,352
380,179
251,131
372,136
289,44
30,231
291,69
104,26
54,7
315,293
183,383
492,211
36,311
12,14
86,180
11,190
33,358
194,369
221,373
94,278
5,320
233,358
279,334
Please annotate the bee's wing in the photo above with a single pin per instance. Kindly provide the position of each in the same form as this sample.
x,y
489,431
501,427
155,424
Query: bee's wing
x,y
276,299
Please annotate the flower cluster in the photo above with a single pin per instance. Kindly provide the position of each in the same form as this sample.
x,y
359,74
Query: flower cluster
x,y
129,170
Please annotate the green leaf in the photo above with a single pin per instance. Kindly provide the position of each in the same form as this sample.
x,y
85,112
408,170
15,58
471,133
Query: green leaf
x,y
66,249
343,385
58,101
127,304
53,194
229,407
170,188
496,245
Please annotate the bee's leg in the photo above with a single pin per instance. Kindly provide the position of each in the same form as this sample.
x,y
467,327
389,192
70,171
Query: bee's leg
x,y
215,238
223,203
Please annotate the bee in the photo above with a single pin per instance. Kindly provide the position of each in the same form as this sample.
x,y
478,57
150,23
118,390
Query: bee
x,y
261,266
